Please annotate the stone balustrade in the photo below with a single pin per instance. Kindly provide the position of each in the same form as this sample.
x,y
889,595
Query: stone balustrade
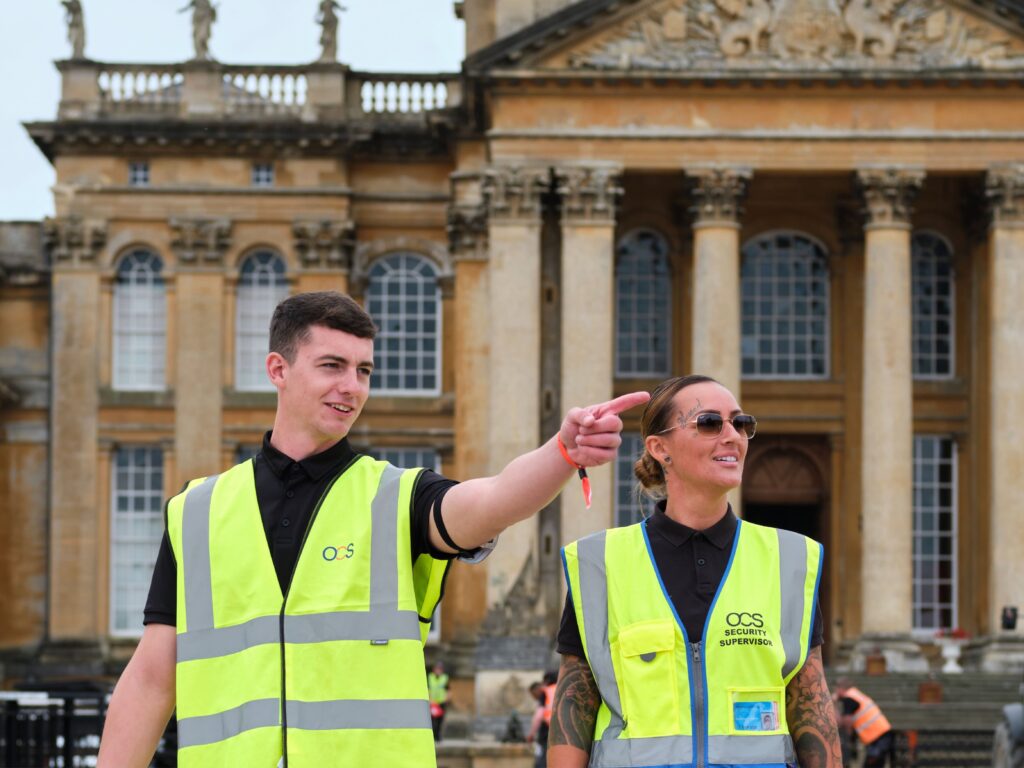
x,y
392,93
201,90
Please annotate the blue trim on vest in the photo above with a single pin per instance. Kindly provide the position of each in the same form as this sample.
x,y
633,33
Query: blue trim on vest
x,y
704,634
814,608
565,572
686,638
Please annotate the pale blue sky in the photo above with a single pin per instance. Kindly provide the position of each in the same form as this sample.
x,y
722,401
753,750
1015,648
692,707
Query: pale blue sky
x,y
376,35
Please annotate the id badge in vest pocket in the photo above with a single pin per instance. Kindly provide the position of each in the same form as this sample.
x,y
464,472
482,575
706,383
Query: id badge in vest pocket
x,y
648,682
757,711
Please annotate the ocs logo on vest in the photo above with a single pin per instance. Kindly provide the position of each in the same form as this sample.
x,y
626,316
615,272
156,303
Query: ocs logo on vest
x,y
344,552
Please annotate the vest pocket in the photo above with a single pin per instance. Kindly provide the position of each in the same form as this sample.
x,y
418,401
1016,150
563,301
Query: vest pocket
x,y
757,710
648,679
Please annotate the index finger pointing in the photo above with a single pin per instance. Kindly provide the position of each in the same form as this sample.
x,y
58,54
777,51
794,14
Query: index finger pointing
x,y
621,403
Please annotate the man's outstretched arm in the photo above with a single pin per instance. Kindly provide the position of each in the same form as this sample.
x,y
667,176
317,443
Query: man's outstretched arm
x,y
812,716
573,714
476,511
142,702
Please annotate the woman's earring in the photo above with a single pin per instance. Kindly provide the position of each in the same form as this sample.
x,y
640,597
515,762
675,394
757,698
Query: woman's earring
x,y
668,460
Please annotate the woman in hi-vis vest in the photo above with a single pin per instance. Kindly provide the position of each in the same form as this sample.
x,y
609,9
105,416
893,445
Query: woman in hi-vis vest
x,y
692,638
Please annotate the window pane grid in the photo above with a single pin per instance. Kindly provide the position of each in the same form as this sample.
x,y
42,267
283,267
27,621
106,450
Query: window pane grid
x,y
261,287
933,302
784,307
935,533
406,457
631,506
404,301
140,322
137,524
643,305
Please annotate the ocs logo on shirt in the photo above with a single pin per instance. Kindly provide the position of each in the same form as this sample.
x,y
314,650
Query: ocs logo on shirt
x,y
330,554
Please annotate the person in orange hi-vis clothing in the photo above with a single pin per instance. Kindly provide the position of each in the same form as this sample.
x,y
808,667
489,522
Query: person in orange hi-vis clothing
x,y
859,714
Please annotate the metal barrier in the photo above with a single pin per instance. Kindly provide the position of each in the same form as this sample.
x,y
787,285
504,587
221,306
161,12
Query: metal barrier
x,y
51,729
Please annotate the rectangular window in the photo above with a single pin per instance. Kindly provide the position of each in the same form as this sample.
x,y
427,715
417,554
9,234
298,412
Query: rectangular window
x,y
263,174
138,173
631,506
935,533
408,457
140,336
136,526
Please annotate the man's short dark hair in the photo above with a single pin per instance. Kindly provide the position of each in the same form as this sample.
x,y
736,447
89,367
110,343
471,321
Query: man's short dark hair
x,y
293,317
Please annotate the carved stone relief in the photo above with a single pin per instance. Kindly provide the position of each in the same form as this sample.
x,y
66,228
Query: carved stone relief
x,y
72,240
200,242
802,34
889,194
1004,188
467,232
589,194
718,193
518,613
514,193
324,244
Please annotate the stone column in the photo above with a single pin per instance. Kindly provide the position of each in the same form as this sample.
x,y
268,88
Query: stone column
x,y
715,341
514,625
200,245
75,509
325,248
588,323
887,443
1005,328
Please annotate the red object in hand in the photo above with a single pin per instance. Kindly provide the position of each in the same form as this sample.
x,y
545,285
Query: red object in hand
x,y
580,469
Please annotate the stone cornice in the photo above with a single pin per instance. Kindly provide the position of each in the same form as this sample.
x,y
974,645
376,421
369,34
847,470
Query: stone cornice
x,y
718,193
200,242
73,241
467,232
889,195
513,194
1004,189
589,194
325,243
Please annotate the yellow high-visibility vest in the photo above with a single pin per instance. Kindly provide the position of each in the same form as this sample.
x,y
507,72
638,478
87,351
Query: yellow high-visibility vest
x,y
717,700
331,671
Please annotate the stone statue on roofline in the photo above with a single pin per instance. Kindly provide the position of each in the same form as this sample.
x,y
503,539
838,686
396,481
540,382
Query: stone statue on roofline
x,y
203,16
76,28
328,20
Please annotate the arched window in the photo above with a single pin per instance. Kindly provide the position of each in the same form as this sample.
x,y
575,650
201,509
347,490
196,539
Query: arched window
x,y
933,297
785,307
631,506
404,300
140,322
643,305
261,287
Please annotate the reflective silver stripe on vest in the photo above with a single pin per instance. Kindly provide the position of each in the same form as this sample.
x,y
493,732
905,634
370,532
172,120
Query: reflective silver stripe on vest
x,y
358,713
209,729
384,543
737,750
195,554
312,628
792,577
627,753
594,598
863,726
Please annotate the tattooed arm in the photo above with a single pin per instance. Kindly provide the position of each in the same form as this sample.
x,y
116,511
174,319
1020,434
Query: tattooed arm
x,y
573,713
812,716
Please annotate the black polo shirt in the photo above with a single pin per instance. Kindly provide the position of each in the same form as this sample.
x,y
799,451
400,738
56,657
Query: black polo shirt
x,y
287,492
691,564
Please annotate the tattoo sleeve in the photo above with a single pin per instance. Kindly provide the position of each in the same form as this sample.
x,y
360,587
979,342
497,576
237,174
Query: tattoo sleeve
x,y
812,716
574,709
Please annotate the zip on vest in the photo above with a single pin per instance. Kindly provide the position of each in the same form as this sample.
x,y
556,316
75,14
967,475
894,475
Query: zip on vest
x,y
284,602
699,703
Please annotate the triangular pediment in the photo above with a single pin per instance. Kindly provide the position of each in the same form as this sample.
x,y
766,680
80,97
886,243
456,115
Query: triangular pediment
x,y
770,38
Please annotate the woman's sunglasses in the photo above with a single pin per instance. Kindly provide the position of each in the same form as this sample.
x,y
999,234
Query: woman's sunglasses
x,y
711,424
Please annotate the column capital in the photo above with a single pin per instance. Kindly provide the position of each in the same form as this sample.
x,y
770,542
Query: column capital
x,y
74,241
324,244
513,194
717,192
200,242
889,195
1004,190
467,232
589,193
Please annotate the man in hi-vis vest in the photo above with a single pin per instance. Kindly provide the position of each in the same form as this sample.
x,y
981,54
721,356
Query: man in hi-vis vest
x,y
692,638
860,715
293,592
